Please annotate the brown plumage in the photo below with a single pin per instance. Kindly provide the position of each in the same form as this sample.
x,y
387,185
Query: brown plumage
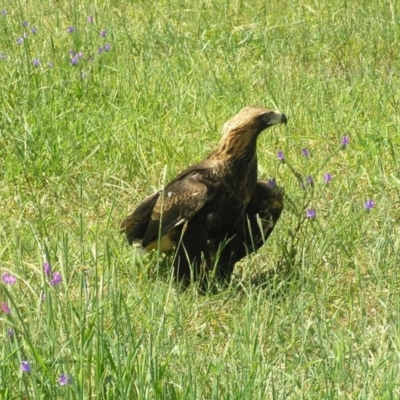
x,y
211,208
262,214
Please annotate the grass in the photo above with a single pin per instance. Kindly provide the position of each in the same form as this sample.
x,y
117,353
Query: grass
x,y
314,314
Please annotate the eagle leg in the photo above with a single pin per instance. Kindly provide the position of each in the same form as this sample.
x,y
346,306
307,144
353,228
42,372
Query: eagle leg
x,y
226,255
190,250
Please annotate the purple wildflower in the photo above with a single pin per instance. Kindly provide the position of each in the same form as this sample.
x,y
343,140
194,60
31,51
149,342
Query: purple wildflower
x,y
103,33
74,60
305,152
369,204
56,279
25,23
34,30
20,40
70,29
280,155
345,141
25,366
311,213
36,62
8,279
47,268
310,180
64,380
101,50
327,177
90,19
271,183
107,47
5,308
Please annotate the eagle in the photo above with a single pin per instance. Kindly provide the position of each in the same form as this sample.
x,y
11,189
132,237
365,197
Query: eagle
x,y
215,212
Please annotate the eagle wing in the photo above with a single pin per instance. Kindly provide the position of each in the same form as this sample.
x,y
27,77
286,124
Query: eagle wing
x,y
261,216
135,225
180,201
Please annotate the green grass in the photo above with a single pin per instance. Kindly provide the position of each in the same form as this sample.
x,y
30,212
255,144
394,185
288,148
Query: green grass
x,y
314,314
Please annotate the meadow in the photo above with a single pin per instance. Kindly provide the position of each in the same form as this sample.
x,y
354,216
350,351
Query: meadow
x,y
104,102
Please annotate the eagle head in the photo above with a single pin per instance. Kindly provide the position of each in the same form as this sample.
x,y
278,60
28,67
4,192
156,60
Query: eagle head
x,y
253,120
239,134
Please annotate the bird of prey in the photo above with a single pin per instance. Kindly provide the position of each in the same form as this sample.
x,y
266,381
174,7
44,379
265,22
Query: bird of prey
x,y
215,212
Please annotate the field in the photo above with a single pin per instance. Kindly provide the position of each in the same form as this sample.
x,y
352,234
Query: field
x,y
104,102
